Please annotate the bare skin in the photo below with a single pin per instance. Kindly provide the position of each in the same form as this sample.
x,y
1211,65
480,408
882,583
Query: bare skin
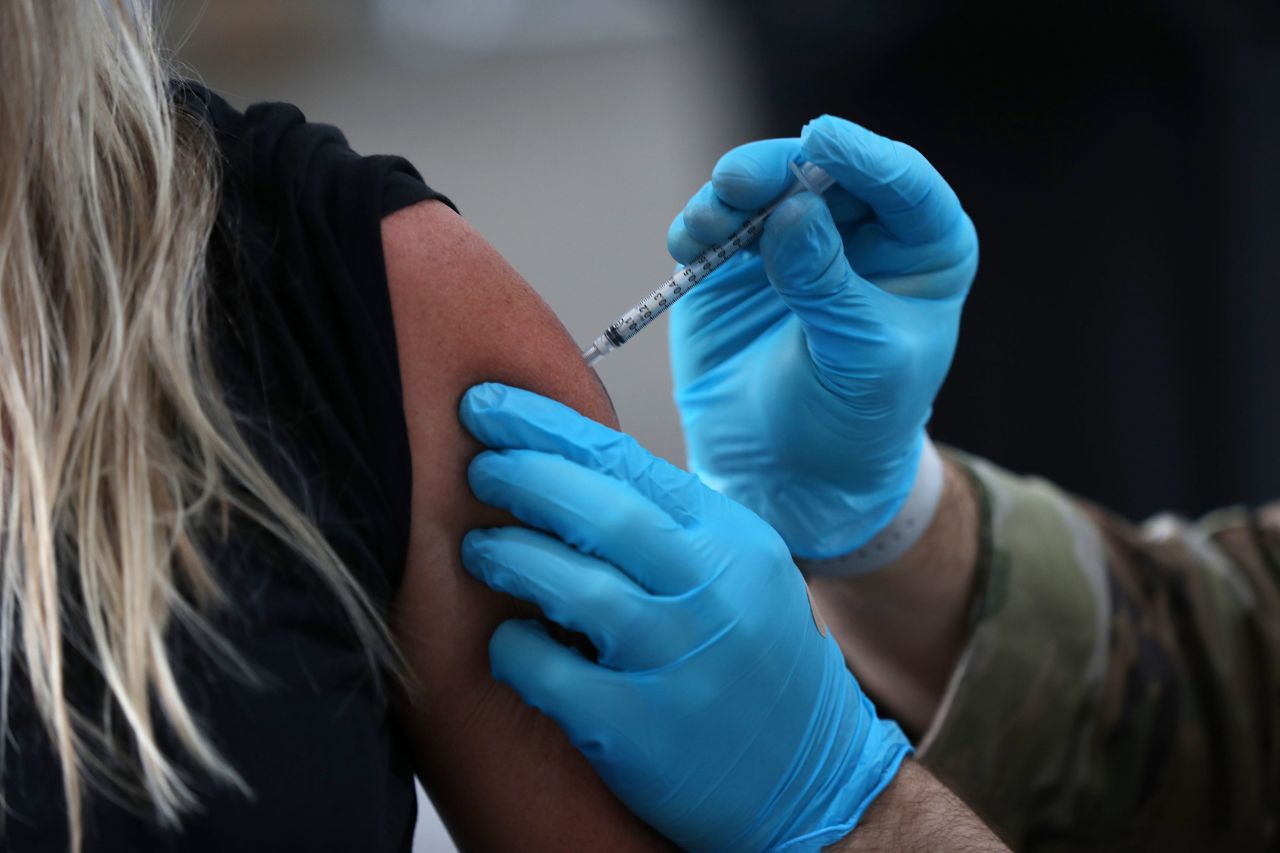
x,y
917,814
902,628
502,775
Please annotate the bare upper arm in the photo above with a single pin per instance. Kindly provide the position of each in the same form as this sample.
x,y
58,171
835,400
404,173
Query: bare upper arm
x,y
502,775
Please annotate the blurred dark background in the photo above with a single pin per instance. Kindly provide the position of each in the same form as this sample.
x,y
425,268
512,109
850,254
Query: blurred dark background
x,y
1122,163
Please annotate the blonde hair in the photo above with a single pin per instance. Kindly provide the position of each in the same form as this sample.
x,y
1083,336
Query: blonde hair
x,y
119,457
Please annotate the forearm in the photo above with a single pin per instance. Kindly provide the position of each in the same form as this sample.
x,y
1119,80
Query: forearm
x,y
918,813
1117,683
902,628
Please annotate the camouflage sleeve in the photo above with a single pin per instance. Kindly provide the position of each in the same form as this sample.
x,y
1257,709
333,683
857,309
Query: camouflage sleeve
x,y
1120,689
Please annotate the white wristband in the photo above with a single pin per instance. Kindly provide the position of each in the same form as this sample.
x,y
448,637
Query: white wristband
x,y
900,534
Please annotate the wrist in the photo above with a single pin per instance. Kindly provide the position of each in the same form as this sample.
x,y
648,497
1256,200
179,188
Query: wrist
x,y
858,762
905,528
917,812
902,628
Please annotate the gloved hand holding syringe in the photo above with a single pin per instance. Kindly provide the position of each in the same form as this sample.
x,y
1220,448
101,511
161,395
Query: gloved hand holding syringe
x,y
808,177
805,371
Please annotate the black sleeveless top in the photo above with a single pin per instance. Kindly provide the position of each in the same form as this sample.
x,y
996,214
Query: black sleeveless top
x,y
302,331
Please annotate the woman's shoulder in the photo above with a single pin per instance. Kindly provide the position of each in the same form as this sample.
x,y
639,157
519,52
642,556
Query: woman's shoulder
x,y
268,141
274,152
265,120
303,319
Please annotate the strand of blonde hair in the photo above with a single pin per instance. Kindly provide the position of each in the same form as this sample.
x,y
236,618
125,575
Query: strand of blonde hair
x,y
119,456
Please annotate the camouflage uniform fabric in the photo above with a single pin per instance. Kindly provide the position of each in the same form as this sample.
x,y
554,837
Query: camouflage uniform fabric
x,y
1121,685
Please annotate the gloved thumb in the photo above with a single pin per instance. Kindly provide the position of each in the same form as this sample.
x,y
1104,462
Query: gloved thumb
x,y
804,260
555,679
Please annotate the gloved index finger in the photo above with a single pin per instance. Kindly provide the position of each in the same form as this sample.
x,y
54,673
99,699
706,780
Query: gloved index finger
x,y
744,181
591,511
906,193
507,418
751,176
705,221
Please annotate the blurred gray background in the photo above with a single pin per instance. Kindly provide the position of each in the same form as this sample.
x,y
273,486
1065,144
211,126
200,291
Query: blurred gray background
x,y
569,132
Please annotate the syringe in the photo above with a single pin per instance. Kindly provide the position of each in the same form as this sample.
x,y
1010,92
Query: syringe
x,y
808,177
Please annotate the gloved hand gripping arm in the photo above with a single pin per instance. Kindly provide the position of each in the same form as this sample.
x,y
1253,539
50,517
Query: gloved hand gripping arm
x,y
720,709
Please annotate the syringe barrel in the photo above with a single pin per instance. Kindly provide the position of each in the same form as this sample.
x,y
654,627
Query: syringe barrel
x,y
652,306
808,177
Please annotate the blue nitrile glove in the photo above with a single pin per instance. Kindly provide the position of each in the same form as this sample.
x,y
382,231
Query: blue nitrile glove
x,y
719,710
806,368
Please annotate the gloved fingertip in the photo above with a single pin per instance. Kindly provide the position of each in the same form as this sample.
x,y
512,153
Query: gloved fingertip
x,y
476,407
733,180
681,245
707,220
483,396
699,217
860,160
517,631
509,647
523,655
473,550
828,126
828,134
675,234
484,471
846,150
741,168
752,175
